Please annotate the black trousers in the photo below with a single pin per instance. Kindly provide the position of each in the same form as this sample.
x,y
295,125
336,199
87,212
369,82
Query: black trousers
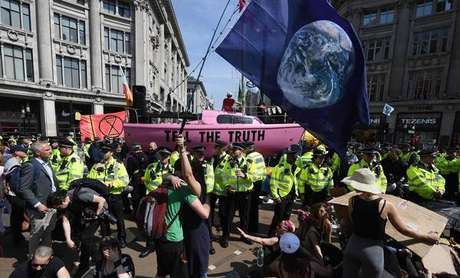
x,y
311,197
89,246
254,207
137,195
283,211
213,206
116,209
242,202
18,208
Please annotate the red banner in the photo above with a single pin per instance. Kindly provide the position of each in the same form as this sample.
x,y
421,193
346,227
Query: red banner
x,y
111,125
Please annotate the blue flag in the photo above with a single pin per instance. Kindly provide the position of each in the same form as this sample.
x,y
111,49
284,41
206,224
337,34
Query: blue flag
x,y
308,60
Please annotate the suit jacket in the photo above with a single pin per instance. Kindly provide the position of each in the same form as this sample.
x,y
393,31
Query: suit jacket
x,y
34,189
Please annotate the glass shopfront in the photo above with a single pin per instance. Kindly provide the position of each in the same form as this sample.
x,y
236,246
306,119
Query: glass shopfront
x,y
456,130
65,116
418,128
19,116
368,134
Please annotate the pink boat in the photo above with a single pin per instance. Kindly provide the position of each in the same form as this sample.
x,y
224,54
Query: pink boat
x,y
218,125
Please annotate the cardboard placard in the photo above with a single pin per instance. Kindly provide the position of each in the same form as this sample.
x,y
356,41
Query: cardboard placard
x,y
439,260
413,215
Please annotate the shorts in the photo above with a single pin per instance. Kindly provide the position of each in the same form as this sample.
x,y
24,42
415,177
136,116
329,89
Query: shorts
x,y
171,259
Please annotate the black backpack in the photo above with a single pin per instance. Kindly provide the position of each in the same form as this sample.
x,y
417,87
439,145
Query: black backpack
x,y
93,184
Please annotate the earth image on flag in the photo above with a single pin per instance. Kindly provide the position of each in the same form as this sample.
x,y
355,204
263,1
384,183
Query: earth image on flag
x,y
316,65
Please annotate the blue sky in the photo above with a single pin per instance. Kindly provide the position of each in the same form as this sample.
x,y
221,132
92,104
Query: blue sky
x,y
197,20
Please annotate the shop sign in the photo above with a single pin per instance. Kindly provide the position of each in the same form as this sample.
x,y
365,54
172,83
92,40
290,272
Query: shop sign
x,y
374,121
419,121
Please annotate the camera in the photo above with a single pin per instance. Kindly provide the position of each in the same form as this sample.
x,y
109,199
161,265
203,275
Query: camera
x,y
106,216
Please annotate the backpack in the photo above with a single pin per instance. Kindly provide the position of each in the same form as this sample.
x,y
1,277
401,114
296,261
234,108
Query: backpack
x,y
13,178
93,184
151,212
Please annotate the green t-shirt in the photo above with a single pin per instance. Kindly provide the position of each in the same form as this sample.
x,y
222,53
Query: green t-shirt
x,y
175,199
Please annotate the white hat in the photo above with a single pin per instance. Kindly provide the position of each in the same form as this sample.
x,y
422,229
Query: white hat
x,y
289,243
363,180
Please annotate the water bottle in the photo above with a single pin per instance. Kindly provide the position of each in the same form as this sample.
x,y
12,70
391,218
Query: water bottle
x,y
260,257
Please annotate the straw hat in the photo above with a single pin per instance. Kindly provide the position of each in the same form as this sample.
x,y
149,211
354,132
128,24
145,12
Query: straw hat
x,y
363,180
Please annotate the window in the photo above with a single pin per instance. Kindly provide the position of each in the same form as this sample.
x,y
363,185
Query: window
x,y
11,14
71,72
114,78
443,5
18,68
110,7
69,29
424,8
377,50
424,84
229,119
117,7
370,18
117,41
387,16
430,42
376,87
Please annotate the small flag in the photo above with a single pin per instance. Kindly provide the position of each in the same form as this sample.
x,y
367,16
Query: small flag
x,y
388,109
306,59
241,4
126,90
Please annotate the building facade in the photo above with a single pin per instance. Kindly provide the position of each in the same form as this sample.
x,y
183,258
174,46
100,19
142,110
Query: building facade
x,y
199,100
65,56
412,49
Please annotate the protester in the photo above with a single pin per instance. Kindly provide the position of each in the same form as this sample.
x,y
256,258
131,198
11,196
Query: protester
x,y
368,216
37,182
42,264
113,263
170,249
228,103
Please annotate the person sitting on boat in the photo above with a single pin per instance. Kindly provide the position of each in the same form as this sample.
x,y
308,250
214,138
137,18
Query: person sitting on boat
x,y
229,103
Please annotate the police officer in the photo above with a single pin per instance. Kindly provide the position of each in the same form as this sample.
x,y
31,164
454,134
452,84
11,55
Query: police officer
x,y
425,181
70,166
369,160
112,173
283,187
239,187
317,178
55,158
446,162
136,163
153,178
257,173
219,193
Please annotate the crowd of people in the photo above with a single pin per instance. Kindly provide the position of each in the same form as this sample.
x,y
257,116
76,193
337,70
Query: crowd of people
x,y
185,202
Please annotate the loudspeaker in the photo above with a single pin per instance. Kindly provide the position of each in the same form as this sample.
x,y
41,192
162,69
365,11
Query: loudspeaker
x,y
139,101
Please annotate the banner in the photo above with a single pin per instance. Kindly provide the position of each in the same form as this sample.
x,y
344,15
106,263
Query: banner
x,y
111,125
306,59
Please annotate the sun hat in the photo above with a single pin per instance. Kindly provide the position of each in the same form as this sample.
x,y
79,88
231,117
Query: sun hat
x,y
363,180
289,243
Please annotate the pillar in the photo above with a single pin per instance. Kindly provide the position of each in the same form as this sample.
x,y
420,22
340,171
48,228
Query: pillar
x,y
140,44
95,44
44,42
48,116
98,108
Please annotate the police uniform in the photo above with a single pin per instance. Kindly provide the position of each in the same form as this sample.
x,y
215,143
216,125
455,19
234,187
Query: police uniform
x,y
136,164
424,180
374,166
239,193
257,173
69,168
155,171
317,179
283,187
113,173
219,192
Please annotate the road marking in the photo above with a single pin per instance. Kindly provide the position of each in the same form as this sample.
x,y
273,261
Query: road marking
x,y
212,267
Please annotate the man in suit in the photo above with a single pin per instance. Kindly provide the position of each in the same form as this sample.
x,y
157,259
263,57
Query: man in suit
x,y
37,182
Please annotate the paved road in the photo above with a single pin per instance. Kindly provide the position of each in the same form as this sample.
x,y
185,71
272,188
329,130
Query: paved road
x,y
235,261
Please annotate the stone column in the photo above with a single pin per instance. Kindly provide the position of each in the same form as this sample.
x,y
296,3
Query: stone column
x,y
98,108
161,51
44,40
140,43
402,38
95,44
48,115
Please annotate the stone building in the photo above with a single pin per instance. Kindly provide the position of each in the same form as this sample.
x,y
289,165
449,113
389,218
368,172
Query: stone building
x,y
200,99
65,56
412,48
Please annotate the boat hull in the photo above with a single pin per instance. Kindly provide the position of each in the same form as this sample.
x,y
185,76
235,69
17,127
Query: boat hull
x,y
268,139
